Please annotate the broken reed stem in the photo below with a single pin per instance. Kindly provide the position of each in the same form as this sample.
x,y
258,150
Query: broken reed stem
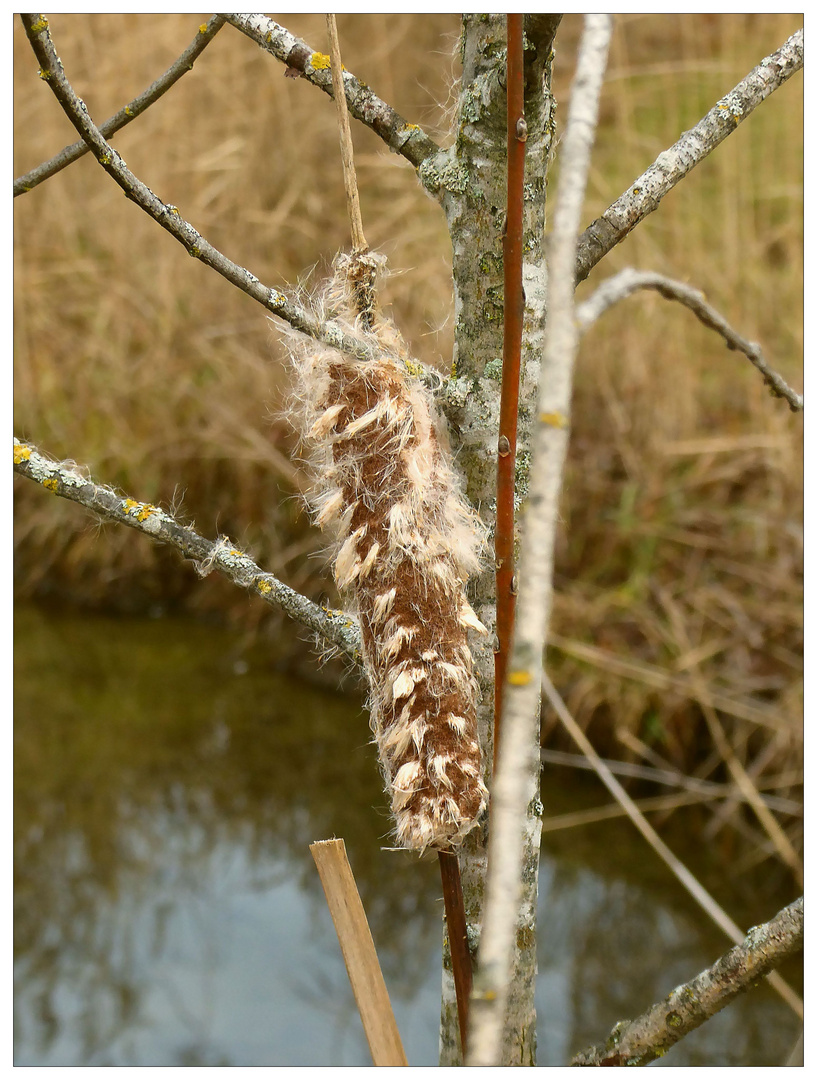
x,y
457,938
359,953
359,245
511,361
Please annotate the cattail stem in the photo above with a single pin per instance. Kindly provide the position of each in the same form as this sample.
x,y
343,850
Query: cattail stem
x,y
359,245
511,362
457,937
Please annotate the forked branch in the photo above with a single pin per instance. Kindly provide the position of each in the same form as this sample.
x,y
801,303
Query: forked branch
x,y
640,1041
70,154
628,281
645,193
335,628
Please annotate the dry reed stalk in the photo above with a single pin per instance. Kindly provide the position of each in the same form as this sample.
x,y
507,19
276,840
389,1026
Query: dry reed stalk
x,y
359,953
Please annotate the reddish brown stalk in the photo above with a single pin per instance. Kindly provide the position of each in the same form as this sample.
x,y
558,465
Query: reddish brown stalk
x,y
457,937
511,361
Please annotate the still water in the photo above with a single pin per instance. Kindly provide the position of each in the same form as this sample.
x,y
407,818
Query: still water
x,y
168,783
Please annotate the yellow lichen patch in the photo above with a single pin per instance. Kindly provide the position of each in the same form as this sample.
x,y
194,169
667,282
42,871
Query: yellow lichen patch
x,y
203,28
51,484
21,453
553,419
141,511
320,61
263,587
519,678
40,25
410,127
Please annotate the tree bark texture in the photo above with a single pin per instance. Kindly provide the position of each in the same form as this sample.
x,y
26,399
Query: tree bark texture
x,y
470,181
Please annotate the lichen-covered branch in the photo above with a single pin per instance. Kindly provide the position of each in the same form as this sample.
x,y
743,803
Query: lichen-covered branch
x,y
645,193
335,628
516,775
628,281
164,214
70,154
404,138
650,1036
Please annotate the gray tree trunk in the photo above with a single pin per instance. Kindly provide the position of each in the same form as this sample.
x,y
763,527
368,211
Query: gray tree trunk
x,y
470,181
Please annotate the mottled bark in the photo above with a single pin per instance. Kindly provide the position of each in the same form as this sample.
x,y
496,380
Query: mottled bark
x,y
469,181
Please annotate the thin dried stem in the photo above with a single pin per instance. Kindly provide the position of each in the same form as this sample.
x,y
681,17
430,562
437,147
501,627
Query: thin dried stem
x,y
628,281
673,778
645,193
70,154
65,479
514,312
687,879
359,245
640,1041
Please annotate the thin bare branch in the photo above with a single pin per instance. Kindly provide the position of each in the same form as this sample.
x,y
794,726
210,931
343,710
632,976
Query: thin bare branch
x,y
687,879
166,215
70,154
640,1041
628,281
301,60
517,770
645,193
65,479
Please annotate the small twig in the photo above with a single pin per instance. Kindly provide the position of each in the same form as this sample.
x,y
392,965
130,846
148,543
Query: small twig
x,y
628,281
168,216
406,139
359,245
640,1041
70,154
645,193
457,938
359,953
514,312
687,879
64,479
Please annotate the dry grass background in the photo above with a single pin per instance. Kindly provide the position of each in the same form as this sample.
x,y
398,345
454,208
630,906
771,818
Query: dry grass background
x,y
681,552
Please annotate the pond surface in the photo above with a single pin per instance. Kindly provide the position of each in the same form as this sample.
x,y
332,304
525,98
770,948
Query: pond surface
x,y
168,783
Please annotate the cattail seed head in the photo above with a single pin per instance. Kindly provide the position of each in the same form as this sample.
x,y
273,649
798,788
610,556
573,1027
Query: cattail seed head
x,y
406,542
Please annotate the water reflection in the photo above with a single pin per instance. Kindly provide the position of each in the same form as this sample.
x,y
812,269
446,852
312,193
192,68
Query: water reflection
x,y
167,911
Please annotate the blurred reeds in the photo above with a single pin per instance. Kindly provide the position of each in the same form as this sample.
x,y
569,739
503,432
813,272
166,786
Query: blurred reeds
x,y
679,569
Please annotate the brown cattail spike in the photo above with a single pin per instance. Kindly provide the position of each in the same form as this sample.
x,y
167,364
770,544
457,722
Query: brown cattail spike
x,y
406,542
